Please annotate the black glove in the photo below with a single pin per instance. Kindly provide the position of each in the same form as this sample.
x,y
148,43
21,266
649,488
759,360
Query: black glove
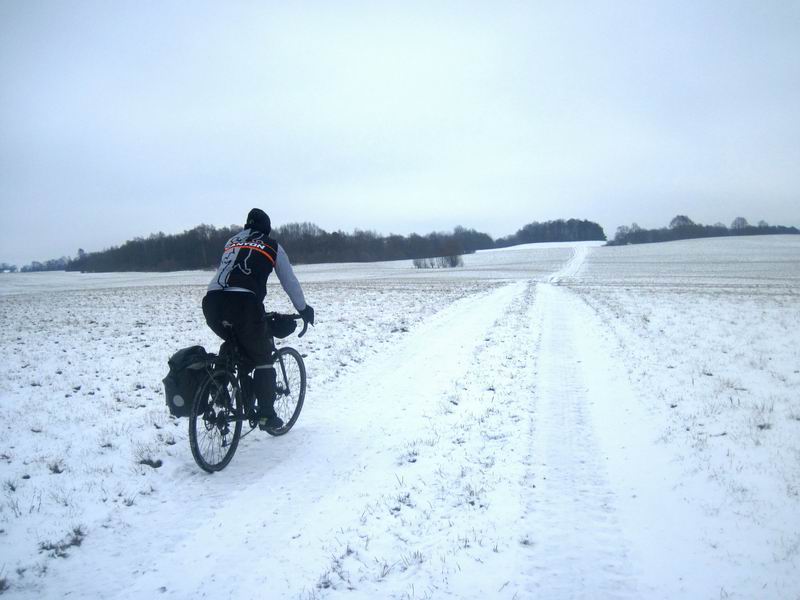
x,y
308,314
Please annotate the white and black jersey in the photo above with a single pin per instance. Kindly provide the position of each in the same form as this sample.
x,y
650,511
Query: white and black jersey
x,y
247,261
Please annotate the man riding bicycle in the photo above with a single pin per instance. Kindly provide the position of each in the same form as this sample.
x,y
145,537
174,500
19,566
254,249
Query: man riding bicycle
x,y
234,304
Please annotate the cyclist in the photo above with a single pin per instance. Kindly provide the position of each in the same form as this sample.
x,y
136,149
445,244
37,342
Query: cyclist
x,y
234,303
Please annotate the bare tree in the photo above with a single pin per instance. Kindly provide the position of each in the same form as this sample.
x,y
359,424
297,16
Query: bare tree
x,y
622,233
739,223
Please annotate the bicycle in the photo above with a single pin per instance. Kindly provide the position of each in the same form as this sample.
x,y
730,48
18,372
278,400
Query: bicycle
x,y
225,399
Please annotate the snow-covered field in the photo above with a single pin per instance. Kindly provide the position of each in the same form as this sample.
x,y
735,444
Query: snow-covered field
x,y
554,422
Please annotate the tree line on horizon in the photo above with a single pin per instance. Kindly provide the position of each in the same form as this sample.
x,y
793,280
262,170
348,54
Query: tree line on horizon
x,y
306,243
682,227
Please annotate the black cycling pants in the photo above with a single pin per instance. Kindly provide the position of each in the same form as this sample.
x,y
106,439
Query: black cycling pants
x,y
240,317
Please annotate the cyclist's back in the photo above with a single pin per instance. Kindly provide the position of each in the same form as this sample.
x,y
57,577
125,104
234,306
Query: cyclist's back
x,y
234,308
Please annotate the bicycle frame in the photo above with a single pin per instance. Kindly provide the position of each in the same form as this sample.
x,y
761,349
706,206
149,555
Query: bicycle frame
x,y
244,382
227,397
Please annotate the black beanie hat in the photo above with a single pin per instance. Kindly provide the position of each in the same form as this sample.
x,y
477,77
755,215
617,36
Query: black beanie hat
x,y
258,219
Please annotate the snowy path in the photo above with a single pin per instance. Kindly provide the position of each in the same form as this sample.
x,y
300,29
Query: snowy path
x,y
340,457
612,515
572,267
562,526
585,554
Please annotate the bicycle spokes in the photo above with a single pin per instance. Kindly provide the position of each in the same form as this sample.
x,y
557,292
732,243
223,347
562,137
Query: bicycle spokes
x,y
216,422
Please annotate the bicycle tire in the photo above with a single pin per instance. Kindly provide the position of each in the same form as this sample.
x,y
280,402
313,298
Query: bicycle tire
x,y
290,388
217,406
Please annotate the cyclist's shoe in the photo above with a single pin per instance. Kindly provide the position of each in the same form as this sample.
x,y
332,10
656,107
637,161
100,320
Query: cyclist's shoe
x,y
271,422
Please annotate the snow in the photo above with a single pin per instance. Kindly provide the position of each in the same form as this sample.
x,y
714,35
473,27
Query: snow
x,y
556,422
544,246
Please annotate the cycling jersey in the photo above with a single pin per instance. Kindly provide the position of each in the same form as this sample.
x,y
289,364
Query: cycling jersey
x,y
248,260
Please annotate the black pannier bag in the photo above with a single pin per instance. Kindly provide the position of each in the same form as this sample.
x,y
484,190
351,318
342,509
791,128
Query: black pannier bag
x,y
186,371
281,326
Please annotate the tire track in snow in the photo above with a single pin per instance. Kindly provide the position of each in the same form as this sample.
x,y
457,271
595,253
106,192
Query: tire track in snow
x,y
572,266
663,517
576,546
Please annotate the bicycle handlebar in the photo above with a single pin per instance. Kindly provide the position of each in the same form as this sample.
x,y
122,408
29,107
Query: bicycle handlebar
x,y
296,317
305,327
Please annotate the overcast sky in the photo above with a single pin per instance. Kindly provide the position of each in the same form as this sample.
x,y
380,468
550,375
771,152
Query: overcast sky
x,y
123,119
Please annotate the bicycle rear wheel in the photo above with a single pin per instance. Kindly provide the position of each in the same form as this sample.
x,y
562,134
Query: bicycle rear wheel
x,y
290,387
215,423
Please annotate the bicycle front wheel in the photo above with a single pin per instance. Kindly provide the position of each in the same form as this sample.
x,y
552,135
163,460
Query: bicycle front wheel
x,y
290,388
215,423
